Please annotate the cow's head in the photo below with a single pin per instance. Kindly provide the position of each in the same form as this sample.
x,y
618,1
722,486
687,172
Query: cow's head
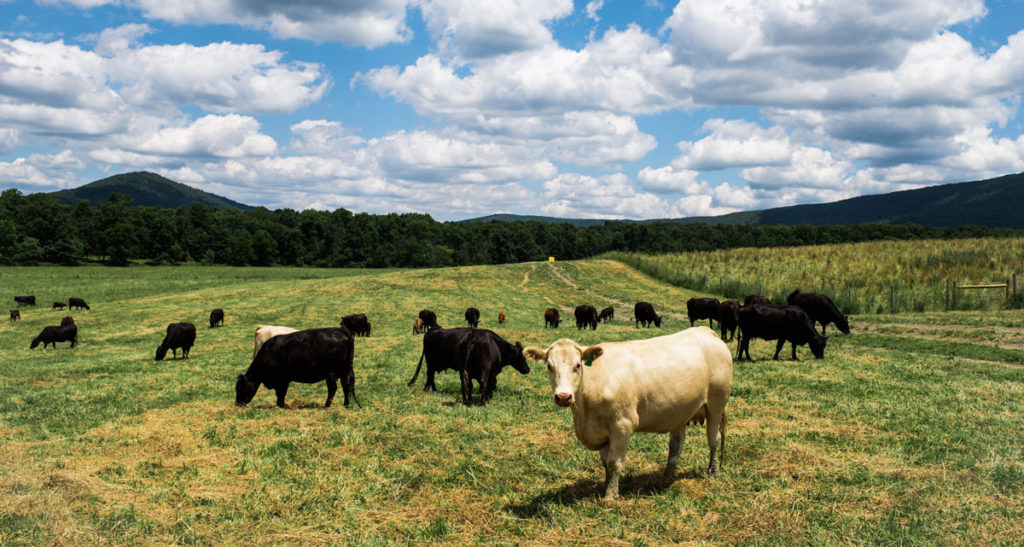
x,y
843,325
244,390
516,359
161,352
566,360
657,321
817,344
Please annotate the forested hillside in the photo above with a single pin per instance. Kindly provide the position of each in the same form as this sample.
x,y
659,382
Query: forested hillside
x,y
36,228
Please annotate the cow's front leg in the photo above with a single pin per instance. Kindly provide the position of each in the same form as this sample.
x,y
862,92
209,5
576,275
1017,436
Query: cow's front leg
x,y
614,461
332,388
281,391
778,348
675,446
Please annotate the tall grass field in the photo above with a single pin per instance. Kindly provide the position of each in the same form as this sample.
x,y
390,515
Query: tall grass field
x,y
909,431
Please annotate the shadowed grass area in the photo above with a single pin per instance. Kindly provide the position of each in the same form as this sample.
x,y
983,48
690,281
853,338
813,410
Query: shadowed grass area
x,y
889,439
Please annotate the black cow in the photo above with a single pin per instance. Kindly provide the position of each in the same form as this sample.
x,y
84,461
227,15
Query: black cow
x,y
25,300
756,300
473,317
357,324
782,323
67,320
307,356
429,320
179,335
551,318
15,315
606,314
486,354
728,318
820,309
445,349
702,308
77,303
52,335
586,316
216,316
59,306
643,314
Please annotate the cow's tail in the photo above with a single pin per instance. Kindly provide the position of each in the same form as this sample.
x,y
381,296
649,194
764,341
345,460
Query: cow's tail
x,y
417,373
354,398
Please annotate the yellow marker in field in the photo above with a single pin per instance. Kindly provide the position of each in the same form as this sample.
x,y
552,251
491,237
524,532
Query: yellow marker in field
x,y
551,259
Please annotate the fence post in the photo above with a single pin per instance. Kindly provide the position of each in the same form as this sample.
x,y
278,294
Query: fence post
x,y
1014,283
892,299
1007,290
947,295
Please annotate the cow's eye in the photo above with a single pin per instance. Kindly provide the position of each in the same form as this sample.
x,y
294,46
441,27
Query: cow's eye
x,y
577,367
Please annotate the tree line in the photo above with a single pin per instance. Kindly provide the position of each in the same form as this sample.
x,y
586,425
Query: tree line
x,y
36,228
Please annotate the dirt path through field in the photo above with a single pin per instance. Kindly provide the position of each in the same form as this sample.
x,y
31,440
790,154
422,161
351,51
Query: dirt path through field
x,y
568,281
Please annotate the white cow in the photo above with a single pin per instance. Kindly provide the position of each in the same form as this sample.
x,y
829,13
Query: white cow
x,y
658,385
266,332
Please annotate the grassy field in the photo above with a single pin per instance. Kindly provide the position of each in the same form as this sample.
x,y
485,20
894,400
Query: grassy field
x,y
909,431
858,276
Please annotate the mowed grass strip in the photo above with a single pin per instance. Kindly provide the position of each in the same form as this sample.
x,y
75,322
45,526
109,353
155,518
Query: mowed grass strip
x,y
100,444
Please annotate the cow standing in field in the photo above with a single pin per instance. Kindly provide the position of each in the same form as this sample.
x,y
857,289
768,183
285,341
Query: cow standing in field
x,y
266,332
782,323
473,317
429,319
445,349
58,306
586,316
25,300
820,309
52,335
606,314
657,385
551,318
179,335
728,318
77,303
756,300
501,317
216,317
307,356
15,315
643,314
486,354
702,308
357,324
67,320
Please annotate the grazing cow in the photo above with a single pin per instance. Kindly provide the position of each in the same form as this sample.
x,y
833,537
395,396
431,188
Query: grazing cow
x,y
67,320
782,323
606,314
306,356
15,315
486,354
25,300
179,335
77,303
501,317
52,335
417,326
643,314
702,308
216,316
266,332
357,324
472,317
657,385
756,300
429,320
586,316
58,306
551,318
445,349
728,318
820,309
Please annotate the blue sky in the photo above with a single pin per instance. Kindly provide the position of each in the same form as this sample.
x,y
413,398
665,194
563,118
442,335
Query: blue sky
x,y
458,108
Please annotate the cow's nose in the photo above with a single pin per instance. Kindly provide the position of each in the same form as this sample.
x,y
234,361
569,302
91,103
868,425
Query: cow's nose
x,y
563,399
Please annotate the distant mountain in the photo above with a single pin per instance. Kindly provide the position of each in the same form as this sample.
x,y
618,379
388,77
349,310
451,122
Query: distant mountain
x,y
992,203
147,189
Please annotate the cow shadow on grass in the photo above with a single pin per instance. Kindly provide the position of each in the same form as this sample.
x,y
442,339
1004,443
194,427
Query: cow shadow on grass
x,y
630,486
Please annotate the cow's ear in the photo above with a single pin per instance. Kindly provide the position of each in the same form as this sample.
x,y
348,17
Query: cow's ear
x,y
591,353
535,354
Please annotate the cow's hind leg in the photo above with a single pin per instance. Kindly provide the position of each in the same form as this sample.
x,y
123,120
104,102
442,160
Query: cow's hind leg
x,y
778,348
281,392
675,446
716,431
332,388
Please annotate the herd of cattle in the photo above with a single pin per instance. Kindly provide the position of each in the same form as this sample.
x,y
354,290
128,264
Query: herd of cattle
x,y
661,384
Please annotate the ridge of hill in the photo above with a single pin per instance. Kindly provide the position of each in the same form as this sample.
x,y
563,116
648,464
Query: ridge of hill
x,y
148,189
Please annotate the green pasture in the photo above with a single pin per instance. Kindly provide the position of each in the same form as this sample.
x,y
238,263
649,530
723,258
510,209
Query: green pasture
x,y
909,431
